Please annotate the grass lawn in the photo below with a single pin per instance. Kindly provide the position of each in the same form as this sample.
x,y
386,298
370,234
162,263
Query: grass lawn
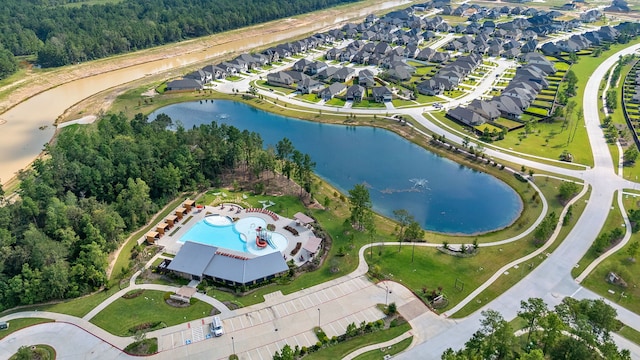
x,y
489,127
18,324
619,264
368,104
390,350
124,314
309,97
342,349
505,282
537,138
426,99
433,269
630,334
38,351
402,102
508,123
613,221
336,102
74,307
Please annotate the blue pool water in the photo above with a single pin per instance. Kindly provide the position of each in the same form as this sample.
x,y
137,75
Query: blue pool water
x,y
441,194
220,232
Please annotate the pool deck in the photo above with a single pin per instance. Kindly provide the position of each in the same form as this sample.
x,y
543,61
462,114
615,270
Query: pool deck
x,y
171,244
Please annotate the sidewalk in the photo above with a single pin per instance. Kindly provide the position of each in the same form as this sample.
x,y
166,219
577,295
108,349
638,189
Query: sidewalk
x,y
380,346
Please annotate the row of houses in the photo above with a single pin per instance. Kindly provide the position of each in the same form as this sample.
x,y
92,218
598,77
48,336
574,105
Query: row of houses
x,y
329,82
580,42
450,75
528,81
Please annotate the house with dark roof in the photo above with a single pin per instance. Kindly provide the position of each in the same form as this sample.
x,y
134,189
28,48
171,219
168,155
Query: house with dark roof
x,y
486,109
355,93
327,73
279,78
431,87
343,74
309,85
184,84
465,116
334,89
366,78
381,94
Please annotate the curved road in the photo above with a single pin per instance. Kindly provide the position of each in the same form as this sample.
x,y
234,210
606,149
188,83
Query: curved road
x,y
551,280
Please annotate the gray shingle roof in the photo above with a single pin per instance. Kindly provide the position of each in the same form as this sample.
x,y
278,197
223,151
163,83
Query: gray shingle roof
x,y
192,258
245,271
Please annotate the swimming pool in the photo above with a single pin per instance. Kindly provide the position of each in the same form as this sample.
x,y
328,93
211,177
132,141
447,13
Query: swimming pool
x,y
221,232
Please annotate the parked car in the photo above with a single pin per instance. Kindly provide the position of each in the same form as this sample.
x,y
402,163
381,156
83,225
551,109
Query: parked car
x,y
216,327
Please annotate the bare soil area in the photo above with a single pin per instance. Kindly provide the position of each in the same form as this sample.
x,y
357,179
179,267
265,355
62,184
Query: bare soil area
x,y
36,81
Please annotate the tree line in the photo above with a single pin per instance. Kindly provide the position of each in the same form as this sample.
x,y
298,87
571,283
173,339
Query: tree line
x,y
572,330
97,184
61,35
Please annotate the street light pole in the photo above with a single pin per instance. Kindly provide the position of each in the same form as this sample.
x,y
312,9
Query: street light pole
x,y
318,317
233,343
386,295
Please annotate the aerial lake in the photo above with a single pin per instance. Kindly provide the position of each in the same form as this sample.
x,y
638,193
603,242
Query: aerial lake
x,y
441,194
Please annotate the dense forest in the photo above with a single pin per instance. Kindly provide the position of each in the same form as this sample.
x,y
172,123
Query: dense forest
x,y
99,183
61,35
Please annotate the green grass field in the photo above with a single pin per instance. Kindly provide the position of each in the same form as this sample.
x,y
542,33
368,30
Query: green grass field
x,y
123,314
340,350
336,102
619,263
18,324
368,104
390,350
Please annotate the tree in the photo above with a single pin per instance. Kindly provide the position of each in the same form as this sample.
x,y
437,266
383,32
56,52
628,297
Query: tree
x,y
403,217
535,354
532,311
630,156
285,354
567,190
498,335
360,202
632,250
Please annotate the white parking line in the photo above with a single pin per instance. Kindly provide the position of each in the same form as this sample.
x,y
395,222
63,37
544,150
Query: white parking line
x,y
318,298
294,305
259,316
249,355
250,319
276,311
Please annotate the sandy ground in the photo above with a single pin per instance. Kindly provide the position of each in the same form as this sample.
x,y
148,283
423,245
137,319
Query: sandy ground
x,y
36,81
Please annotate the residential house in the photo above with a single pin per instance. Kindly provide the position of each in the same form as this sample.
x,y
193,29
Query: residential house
x,y
184,84
326,73
366,78
315,67
301,65
334,89
431,87
381,94
279,78
355,93
508,107
199,75
486,109
466,116
309,85
343,74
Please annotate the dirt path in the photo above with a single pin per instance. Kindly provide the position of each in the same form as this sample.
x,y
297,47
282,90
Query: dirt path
x,y
36,81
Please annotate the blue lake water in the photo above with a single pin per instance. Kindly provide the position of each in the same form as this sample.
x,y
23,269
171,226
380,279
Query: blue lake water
x,y
450,198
